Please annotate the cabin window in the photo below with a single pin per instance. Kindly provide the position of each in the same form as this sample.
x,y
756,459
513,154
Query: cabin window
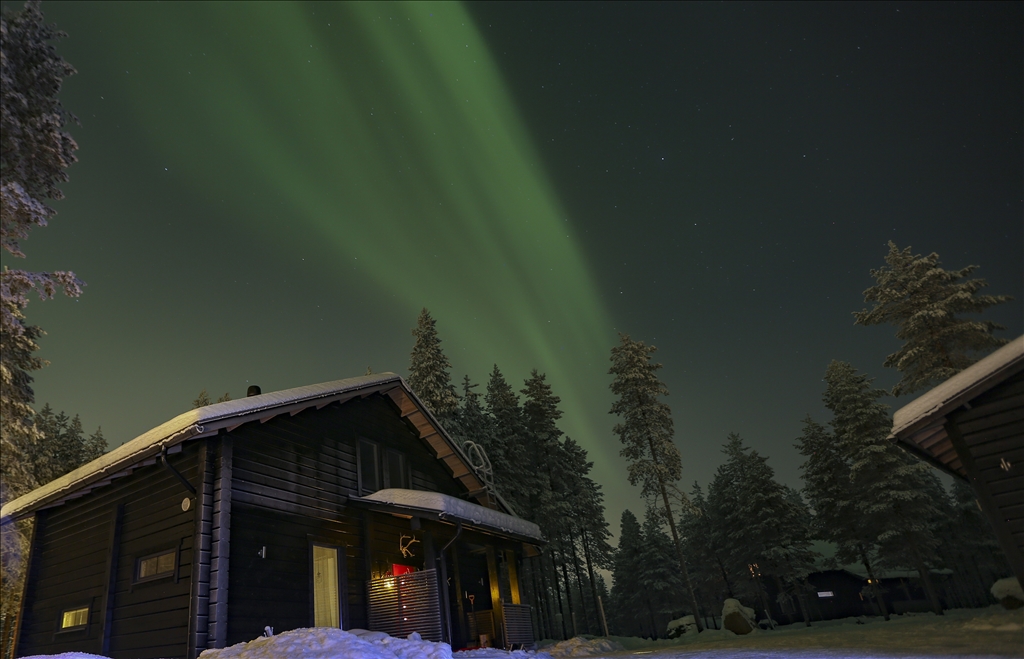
x,y
156,566
369,467
396,472
74,619
826,593
326,600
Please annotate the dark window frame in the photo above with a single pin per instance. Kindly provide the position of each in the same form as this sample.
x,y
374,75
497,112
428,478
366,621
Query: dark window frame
x,y
79,629
137,568
362,445
403,469
320,541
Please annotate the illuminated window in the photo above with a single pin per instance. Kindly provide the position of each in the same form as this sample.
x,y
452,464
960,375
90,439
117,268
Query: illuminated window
x,y
326,605
369,467
826,593
156,566
72,619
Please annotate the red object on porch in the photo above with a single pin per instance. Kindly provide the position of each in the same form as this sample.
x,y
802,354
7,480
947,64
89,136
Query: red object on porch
x,y
397,569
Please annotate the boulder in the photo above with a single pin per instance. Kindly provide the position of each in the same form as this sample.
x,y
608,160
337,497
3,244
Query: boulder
x,y
737,618
680,626
1008,592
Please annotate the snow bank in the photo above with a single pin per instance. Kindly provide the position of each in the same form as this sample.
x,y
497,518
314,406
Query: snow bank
x,y
581,647
495,653
330,643
65,655
1006,590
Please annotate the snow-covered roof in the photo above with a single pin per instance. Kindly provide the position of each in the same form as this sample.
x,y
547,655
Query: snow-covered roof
x,y
209,420
450,509
919,424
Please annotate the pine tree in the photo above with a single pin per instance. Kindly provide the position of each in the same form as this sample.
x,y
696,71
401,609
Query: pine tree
x,y
697,525
646,433
837,518
893,499
926,304
429,370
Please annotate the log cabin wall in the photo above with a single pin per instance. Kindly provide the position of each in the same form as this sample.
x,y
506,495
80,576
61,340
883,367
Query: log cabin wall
x,y
291,478
91,546
990,440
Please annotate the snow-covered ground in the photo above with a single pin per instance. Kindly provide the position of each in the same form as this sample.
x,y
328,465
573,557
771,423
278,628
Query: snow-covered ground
x,y
991,632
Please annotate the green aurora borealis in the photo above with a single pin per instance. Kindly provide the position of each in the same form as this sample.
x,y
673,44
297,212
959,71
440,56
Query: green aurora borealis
x,y
385,135
268,193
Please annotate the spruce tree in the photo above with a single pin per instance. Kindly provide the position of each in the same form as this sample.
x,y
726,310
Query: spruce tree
x,y
831,493
626,600
926,303
646,432
891,485
662,585
429,370
506,445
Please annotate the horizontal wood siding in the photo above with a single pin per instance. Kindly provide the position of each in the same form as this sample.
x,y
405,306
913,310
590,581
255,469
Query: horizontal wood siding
x,y
993,432
291,479
70,567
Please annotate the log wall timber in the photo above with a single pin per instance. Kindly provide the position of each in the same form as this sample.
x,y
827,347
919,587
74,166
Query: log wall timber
x,y
76,564
989,438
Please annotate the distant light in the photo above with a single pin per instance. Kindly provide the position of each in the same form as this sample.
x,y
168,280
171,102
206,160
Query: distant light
x,y
826,593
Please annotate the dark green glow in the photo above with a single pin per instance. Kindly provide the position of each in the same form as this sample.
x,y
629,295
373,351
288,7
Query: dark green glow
x,y
389,135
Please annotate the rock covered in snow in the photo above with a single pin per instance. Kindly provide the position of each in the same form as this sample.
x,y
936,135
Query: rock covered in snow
x,y
331,643
737,618
581,647
680,626
1008,592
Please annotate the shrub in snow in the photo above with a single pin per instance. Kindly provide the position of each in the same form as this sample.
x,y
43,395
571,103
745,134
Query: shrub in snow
x,y
1008,592
581,647
737,618
680,626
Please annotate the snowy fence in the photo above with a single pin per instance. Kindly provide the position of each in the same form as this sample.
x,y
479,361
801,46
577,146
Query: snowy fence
x,y
406,603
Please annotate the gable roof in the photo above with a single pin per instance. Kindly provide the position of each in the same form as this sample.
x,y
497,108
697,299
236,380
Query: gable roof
x,y
210,420
920,425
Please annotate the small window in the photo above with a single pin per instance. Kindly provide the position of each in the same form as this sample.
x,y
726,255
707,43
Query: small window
x,y
74,619
396,472
826,593
369,467
156,566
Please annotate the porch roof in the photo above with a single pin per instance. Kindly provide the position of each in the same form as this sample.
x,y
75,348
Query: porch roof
x,y
446,508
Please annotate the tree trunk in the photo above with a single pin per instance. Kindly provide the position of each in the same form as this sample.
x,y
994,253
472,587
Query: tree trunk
x,y
568,594
926,579
542,626
590,571
579,581
679,552
874,584
558,596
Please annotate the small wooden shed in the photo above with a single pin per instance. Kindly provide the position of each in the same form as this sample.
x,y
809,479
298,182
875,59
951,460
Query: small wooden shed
x,y
343,504
972,426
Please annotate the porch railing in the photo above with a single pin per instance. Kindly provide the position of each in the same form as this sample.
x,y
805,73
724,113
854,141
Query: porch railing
x,y
405,604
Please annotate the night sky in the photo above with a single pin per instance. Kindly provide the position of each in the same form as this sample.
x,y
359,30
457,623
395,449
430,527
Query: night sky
x,y
269,193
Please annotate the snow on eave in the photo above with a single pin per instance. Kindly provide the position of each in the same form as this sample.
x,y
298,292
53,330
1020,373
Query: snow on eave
x,y
448,508
194,423
932,407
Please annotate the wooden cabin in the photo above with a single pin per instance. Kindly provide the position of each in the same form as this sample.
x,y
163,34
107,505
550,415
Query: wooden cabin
x,y
972,426
343,504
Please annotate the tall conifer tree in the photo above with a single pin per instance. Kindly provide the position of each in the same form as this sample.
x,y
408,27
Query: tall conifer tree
x,y
430,370
926,303
646,432
891,485
626,596
838,519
